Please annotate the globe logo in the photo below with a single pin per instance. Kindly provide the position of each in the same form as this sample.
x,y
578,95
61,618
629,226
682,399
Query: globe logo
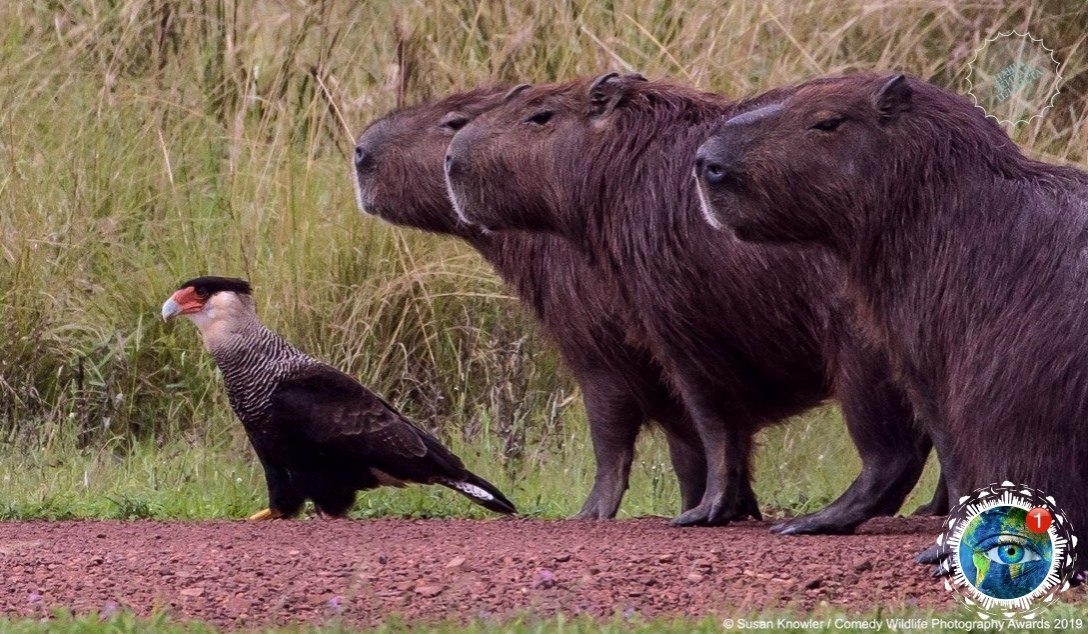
x,y
1009,550
1004,557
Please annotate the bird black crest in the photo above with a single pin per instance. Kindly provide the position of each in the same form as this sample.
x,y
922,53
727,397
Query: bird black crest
x,y
211,284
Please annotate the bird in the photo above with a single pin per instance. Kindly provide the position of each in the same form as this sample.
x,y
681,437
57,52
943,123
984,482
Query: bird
x,y
319,434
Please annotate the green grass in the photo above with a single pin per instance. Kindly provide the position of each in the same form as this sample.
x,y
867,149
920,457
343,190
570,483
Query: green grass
x,y
143,142
213,474
1061,618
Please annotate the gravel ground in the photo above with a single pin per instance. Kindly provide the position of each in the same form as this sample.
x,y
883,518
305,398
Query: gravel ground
x,y
237,573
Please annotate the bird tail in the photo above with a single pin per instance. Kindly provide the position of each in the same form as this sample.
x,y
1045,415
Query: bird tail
x,y
481,492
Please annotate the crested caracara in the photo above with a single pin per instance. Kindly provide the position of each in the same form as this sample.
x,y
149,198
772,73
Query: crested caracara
x,y
319,434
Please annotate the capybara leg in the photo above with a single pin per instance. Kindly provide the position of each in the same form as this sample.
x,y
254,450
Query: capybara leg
x,y
728,495
893,451
689,463
939,504
614,423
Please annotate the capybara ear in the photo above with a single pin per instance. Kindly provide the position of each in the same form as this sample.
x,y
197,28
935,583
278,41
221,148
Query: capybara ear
x,y
608,90
893,98
515,91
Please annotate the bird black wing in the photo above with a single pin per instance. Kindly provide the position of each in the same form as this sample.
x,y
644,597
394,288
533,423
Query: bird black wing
x,y
342,417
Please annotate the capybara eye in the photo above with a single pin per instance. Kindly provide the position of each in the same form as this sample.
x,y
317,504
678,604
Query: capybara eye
x,y
541,117
454,121
829,124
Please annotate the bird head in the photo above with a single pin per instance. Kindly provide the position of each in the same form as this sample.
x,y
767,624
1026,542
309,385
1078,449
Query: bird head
x,y
210,301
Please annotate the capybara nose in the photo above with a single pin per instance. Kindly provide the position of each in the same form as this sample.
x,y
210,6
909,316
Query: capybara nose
x,y
363,159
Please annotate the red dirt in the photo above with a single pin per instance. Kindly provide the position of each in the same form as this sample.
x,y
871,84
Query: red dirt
x,y
239,573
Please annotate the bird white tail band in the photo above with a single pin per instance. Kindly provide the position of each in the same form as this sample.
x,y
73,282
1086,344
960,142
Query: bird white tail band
x,y
472,490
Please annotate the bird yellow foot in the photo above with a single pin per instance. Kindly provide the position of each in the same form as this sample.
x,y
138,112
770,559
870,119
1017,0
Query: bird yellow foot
x,y
266,514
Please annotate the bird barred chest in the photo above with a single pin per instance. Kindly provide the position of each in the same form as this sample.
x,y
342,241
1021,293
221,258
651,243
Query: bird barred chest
x,y
253,366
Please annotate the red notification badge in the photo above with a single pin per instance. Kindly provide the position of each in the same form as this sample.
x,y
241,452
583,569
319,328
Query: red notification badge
x,y
1039,520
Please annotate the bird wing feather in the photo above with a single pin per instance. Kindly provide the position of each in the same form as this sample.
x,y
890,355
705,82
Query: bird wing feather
x,y
334,410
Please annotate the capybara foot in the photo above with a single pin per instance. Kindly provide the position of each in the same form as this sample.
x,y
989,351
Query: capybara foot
x,y
816,524
930,556
715,514
596,508
592,514
942,565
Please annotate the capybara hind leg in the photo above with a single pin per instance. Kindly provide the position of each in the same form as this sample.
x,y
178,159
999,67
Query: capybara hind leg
x,y
728,494
614,423
893,452
689,463
939,504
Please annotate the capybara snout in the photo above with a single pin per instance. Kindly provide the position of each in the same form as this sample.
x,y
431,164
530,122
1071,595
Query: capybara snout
x,y
815,141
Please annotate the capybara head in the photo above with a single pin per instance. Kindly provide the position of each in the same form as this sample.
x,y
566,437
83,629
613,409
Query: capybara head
x,y
398,161
816,166
502,169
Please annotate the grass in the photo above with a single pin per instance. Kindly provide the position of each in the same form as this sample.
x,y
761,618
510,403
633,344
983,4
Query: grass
x,y
1061,618
143,142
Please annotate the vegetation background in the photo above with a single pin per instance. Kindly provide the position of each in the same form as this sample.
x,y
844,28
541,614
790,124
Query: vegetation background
x,y
143,142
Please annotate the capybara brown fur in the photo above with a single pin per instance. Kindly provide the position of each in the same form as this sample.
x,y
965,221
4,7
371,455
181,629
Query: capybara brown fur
x,y
750,335
399,177
969,260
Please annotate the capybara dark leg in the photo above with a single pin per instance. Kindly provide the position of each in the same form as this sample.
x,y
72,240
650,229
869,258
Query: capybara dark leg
x,y
893,451
689,463
950,483
939,504
728,495
614,422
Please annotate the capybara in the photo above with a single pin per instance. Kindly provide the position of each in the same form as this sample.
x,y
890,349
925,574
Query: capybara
x,y
750,335
969,260
399,176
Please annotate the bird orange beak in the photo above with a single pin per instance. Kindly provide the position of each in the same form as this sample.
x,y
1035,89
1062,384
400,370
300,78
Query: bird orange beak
x,y
183,302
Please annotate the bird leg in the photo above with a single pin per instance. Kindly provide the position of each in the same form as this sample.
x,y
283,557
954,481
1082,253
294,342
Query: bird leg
x,y
265,514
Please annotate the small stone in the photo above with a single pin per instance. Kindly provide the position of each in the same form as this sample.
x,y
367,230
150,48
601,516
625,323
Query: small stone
x,y
429,591
864,566
456,562
192,592
545,579
812,584
695,577
665,559
563,558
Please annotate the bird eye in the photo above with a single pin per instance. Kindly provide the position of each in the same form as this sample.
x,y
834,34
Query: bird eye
x,y
540,117
828,125
454,121
201,292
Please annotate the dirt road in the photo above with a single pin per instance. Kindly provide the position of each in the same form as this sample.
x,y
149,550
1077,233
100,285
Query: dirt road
x,y
240,573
